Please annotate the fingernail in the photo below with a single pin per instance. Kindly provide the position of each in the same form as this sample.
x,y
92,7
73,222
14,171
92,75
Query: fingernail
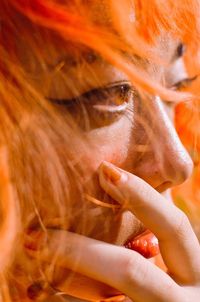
x,y
110,172
118,298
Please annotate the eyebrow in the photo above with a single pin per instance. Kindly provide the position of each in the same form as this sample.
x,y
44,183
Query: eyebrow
x,y
179,52
88,56
181,49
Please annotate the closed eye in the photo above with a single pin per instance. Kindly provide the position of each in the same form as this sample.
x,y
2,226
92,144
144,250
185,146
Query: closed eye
x,y
98,107
113,95
185,83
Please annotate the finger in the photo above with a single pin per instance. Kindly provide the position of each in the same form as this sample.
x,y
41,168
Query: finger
x,y
116,266
178,243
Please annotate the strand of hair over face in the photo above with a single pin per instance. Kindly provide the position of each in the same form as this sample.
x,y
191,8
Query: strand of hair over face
x,y
76,28
137,34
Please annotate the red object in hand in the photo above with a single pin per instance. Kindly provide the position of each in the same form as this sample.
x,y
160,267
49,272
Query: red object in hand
x,y
146,244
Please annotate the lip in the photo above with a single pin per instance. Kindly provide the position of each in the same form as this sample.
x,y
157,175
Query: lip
x,y
146,244
137,238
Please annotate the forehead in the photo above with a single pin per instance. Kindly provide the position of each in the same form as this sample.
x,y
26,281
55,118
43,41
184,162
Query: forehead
x,y
54,50
52,53
166,48
79,60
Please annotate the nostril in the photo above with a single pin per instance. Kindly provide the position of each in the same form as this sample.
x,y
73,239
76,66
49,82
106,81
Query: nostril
x,y
176,173
164,186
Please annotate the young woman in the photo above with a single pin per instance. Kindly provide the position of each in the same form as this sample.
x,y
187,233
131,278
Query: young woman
x,y
89,151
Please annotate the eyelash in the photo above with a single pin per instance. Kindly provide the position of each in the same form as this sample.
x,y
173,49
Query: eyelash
x,y
99,106
183,83
99,94
102,106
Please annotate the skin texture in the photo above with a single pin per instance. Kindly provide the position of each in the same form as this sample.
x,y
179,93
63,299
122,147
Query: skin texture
x,y
135,141
127,270
142,140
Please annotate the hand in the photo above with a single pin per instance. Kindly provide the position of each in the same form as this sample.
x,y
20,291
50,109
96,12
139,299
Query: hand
x,y
127,270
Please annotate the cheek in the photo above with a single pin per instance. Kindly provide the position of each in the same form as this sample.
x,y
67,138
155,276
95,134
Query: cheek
x,y
111,144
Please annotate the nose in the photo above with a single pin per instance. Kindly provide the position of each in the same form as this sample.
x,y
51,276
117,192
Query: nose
x,y
165,163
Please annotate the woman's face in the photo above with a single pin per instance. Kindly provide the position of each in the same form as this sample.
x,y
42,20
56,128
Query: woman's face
x,y
130,129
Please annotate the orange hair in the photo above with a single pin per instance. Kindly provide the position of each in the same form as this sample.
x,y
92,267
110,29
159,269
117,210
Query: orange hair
x,y
37,193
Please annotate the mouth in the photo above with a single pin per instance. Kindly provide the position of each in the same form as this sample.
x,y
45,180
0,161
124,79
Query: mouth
x,y
146,244
143,242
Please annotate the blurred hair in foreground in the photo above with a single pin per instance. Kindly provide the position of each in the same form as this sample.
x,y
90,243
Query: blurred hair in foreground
x,y
35,176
